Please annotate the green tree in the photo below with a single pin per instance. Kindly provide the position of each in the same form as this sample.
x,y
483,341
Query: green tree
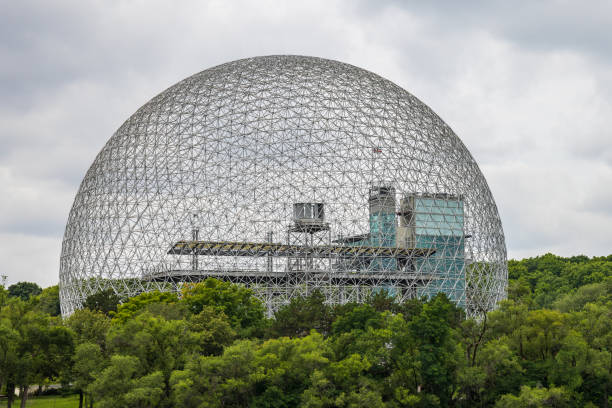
x,y
405,380
290,364
358,317
88,363
544,332
89,326
159,345
593,323
123,385
343,384
49,302
519,290
542,281
438,352
245,312
535,398
9,341
105,301
210,331
4,296
595,292
274,373
502,370
136,304
41,349
382,300
409,308
219,381
24,290
302,315
510,320
373,342
570,361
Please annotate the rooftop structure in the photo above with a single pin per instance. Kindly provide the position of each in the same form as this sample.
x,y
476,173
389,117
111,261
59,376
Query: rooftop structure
x,y
286,174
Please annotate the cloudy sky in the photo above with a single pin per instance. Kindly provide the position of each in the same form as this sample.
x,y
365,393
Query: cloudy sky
x,y
526,85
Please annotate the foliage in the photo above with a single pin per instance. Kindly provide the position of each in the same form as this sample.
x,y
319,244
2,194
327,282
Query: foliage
x,y
535,398
132,306
600,292
88,363
245,312
274,373
89,327
124,385
302,315
3,296
33,346
24,290
48,301
210,332
546,279
207,349
104,301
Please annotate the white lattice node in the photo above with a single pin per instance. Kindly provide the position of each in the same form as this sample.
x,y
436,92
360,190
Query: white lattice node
x,y
286,174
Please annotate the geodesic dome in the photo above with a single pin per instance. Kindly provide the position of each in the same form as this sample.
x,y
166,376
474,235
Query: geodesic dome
x,y
286,174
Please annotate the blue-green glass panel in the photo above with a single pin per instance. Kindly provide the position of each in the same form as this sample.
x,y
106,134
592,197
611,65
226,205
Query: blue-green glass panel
x,y
439,225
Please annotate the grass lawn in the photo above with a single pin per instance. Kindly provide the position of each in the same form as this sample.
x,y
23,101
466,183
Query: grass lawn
x,y
70,401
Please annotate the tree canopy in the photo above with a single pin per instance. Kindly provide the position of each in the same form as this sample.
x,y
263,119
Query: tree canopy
x,y
24,290
549,344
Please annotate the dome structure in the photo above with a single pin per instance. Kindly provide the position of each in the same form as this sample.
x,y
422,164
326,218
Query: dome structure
x,y
286,174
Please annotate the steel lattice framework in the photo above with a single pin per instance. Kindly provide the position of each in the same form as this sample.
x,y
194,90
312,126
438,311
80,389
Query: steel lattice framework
x,y
286,174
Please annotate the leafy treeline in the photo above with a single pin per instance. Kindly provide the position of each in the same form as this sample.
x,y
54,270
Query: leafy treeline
x,y
565,284
549,345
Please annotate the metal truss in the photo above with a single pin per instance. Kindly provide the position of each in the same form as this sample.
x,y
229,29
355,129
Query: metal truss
x,y
287,174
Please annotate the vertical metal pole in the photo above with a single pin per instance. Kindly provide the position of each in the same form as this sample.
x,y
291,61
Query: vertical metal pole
x,y
195,232
330,261
311,260
289,268
373,169
269,238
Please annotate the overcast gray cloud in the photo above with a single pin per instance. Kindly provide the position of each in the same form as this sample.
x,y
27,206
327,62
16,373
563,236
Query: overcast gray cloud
x,y
526,85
